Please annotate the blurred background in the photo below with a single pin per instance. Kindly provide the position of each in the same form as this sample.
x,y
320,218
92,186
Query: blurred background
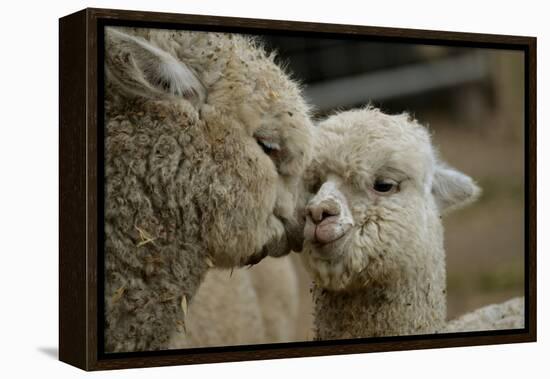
x,y
472,100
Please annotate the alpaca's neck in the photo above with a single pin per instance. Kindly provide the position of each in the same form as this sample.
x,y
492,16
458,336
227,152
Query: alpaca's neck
x,y
414,305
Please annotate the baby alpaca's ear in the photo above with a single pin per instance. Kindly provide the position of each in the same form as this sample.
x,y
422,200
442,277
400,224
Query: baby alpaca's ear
x,y
453,189
146,70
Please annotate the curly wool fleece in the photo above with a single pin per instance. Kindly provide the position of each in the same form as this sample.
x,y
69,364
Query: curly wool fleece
x,y
384,275
189,181
507,315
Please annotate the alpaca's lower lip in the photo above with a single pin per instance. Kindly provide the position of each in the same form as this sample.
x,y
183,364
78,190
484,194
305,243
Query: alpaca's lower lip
x,y
325,241
326,245
312,238
330,230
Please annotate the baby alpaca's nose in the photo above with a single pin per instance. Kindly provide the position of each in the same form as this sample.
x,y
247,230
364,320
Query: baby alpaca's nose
x,y
322,210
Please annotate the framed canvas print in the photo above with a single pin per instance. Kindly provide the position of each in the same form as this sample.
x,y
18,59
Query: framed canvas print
x,y
240,189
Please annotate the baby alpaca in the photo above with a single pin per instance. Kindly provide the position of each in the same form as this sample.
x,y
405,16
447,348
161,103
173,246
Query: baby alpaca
x,y
373,235
205,140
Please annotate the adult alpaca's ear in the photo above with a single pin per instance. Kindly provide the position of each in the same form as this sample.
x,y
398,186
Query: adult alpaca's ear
x,y
146,70
452,189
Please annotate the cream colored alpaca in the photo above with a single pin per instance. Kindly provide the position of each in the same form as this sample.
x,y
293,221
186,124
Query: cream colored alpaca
x,y
262,304
205,141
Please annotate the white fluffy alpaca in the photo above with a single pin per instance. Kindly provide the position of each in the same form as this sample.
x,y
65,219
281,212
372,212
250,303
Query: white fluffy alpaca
x,y
261,304
374,237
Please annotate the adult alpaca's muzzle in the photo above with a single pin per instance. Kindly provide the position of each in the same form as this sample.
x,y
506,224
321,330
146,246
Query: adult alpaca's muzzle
x,y
291,240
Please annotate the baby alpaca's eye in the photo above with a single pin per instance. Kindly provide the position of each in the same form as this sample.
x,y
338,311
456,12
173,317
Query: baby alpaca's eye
x,y
385,186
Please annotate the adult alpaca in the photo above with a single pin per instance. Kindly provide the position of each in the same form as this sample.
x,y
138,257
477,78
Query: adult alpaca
x,y
205,139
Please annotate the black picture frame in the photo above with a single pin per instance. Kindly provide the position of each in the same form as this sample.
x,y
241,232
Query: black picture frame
x,y
81,190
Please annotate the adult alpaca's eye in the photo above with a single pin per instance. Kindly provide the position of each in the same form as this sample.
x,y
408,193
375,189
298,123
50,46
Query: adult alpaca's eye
x,y
385,186
270,148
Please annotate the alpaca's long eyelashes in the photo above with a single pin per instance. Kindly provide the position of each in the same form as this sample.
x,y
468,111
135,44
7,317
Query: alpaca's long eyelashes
x,y
269,147
385,186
